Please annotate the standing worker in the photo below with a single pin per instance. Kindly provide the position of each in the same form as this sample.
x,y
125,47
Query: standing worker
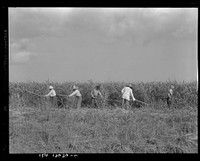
x,y
126,94
52,95
78,97
169,96
95,93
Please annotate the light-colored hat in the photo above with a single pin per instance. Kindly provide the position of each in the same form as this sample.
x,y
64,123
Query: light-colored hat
x,y
50,87
172,86
75,87
130,86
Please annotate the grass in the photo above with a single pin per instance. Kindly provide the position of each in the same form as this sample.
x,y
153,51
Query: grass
x,y
102,131
35,127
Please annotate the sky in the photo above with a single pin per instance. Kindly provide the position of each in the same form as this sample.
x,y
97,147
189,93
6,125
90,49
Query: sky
x,y
103,44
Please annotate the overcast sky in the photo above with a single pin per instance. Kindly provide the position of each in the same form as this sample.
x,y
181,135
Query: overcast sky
x,y
103,44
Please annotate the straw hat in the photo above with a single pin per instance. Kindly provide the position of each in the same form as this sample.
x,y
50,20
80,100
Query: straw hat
x,y
50,87
75,87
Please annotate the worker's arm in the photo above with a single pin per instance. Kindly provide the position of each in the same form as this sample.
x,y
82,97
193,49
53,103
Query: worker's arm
x,y
48,94
73,93
100,94
132,95
122,90
92,94
170,93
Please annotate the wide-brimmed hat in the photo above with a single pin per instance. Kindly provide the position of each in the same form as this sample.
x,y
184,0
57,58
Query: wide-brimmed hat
x,y
50,87
75,87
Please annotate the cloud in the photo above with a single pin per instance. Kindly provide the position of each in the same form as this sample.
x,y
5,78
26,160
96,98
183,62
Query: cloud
x,y
136,24
188,27
20,53
185,32
22,57
151,24
32,22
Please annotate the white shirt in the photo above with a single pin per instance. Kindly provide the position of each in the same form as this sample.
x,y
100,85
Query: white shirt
x,y
170,92
126,93
76,93
52,93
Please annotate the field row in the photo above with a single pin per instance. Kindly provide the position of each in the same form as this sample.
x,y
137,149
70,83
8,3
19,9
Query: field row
x,y
154,92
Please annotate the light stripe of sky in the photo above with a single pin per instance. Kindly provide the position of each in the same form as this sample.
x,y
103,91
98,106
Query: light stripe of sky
x,y
102,44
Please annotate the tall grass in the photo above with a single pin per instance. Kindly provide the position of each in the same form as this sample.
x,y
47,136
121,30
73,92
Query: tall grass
x,y
34,127
153,92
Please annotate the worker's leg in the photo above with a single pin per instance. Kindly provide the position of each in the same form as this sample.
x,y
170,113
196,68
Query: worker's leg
x,y
75,102
93,102
50,102
48,112
98,103
123,103
168,102
55,102
79,100
127,105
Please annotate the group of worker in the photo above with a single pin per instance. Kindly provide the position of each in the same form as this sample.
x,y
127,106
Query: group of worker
x,y
76,93
127,94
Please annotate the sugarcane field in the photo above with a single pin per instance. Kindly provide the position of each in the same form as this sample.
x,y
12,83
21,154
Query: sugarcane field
x,y
35,126
100,80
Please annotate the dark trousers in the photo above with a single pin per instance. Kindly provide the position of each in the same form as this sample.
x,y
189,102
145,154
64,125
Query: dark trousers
x,y
169,101
125,104
78,101
53,101
95,103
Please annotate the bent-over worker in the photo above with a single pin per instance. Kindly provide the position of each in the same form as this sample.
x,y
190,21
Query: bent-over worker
x,y
126,94
78,97
52,96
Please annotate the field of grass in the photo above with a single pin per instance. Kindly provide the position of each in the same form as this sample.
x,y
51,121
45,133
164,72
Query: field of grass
x,y
35,127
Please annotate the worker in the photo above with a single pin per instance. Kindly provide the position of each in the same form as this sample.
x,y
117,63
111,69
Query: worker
x,y
126,94
95,93
169,96
52,96
78,97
